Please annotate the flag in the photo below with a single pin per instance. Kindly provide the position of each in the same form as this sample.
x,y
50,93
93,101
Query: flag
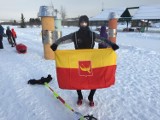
x,y
85,69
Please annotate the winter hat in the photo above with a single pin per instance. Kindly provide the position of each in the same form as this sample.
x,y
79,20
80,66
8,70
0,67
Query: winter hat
x,y
84,18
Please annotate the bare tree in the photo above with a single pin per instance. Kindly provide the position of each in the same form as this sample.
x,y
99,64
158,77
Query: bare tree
x,y
56,12
63,13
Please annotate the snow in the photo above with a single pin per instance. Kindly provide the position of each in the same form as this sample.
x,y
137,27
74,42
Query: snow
x,y
105,15
135,95
147,12
143,12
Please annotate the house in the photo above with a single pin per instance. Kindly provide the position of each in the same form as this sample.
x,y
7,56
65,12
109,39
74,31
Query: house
x,y
146,14
103,17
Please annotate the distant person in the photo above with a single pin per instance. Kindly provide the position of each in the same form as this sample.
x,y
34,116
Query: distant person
x,y
9,36
1,36
103,33
14,36
84,38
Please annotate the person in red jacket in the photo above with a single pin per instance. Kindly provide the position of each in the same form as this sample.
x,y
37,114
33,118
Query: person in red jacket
x,y
14,36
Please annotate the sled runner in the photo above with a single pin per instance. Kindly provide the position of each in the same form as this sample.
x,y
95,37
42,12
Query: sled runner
x,y
21,48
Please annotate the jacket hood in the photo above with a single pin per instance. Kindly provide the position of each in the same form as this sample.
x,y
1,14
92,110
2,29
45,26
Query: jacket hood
x,y
84,18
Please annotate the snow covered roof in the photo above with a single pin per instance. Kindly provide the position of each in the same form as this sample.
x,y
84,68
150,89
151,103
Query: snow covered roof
x,y
147,12
104,15
1,21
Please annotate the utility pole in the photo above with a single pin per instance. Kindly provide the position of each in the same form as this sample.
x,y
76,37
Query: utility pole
x,y
102,6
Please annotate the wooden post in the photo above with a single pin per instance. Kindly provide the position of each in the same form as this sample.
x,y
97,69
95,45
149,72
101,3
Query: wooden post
x,y
48,28
58,27
112,25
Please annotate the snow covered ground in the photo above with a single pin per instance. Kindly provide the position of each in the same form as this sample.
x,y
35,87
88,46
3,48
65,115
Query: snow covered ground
x,y
135,95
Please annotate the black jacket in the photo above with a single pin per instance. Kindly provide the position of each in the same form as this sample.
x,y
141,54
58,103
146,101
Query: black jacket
x,y
8,33
1,30
85,39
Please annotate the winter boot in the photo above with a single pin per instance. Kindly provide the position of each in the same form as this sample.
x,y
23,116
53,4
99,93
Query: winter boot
x,y
80,97
79,102
91,102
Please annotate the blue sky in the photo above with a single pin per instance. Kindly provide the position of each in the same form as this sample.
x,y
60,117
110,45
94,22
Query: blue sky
x,y
12,9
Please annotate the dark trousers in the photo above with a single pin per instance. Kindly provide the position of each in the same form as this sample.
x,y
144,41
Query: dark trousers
x,y
14,40
1,43
90,97
9,39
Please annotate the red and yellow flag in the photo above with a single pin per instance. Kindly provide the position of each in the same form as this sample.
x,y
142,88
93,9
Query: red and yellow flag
x,y
85,69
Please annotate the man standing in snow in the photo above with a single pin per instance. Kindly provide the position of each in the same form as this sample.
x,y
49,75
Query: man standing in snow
x,y
1,36
84,38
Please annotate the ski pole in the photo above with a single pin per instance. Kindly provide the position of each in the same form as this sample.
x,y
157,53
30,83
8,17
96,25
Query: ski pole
x,y
62,101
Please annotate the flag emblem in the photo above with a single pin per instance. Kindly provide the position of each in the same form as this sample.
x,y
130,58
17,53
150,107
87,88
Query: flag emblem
x,y
85,68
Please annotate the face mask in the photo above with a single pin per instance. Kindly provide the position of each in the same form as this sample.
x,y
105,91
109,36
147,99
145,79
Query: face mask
x,y
83,24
